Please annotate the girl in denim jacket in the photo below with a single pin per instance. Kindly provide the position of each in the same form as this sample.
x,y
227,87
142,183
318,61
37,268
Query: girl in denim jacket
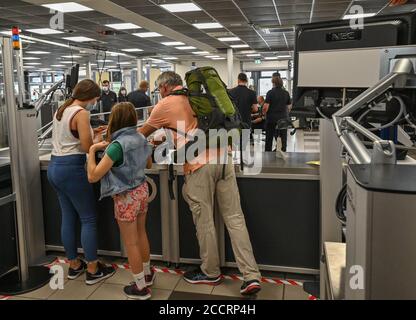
x,y
121,171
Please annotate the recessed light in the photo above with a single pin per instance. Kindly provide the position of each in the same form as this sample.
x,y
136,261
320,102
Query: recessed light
x,y
210,57
147,34
44,31
123,26
246,51
30,58
254,55
27,41
124,63
37,52
100,60
181,7
170,58
285,57
79,39
132,50
110,67
236,46
8,33
173,43
209,25
271,58
218,58
186,48
357,16
67,7
229,39
68,62
33,64
116,54
57,65
200,52
70,57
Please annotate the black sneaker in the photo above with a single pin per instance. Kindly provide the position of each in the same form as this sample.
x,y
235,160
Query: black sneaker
x,y
198,277
150,278
75,273
132,292
103,272
250,287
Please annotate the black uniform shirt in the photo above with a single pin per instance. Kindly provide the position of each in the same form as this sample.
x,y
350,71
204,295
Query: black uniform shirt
x,y
108,100
244,99
278,100
140,100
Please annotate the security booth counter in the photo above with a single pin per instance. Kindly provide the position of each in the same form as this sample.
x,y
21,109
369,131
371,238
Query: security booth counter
x,y
280,204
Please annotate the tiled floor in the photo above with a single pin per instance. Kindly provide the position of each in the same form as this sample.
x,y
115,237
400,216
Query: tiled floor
x,y
166,287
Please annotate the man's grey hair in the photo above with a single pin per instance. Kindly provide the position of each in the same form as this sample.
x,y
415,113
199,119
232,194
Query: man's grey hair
x,y
169,78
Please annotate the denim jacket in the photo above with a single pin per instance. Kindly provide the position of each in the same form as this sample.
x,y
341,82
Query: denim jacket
x,y
130,174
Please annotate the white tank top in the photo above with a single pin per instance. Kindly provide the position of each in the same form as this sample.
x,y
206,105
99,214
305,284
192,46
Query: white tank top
x,y
63,141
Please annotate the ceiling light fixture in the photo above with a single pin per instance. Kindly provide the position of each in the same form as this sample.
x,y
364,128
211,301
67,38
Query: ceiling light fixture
x,y
147,34
186,48
79,39
200,52
123,26
236,46
44,31
132,50
358,16
37,52
181,7
229,39
67,7
173,43
208,25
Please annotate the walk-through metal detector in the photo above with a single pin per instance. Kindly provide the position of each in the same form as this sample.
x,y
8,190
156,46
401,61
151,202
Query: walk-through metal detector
x,y
30,272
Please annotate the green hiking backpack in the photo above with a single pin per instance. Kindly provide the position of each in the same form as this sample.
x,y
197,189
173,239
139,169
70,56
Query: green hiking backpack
x,y
210,100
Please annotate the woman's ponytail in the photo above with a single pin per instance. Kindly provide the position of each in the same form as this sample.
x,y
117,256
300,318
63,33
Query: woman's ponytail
x,y
62,108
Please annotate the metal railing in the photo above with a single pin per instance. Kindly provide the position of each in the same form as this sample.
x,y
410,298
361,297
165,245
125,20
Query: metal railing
x,y
44,135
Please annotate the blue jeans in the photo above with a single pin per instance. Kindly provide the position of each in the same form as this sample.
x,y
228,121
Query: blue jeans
x,y
68,177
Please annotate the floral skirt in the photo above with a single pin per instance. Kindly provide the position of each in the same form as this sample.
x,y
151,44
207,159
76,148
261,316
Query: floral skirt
x,y
128,205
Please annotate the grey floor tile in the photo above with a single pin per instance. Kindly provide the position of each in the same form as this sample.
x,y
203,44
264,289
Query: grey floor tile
x,y
160,294
166,281
108,291
295,293
74,290
195,288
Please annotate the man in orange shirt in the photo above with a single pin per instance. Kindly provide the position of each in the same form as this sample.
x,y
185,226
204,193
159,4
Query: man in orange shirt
x,y
206,181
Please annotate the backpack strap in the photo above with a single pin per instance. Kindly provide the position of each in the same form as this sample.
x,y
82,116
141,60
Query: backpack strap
x,y
180,92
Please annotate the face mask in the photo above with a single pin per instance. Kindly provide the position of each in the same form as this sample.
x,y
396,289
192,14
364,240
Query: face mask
x,y
105,89
123,92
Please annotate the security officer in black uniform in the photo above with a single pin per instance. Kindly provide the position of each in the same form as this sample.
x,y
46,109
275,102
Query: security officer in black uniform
x,y
108,99
276,107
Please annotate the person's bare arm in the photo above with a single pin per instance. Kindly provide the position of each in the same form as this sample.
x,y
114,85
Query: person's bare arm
x,y
146,130
82,123
96,172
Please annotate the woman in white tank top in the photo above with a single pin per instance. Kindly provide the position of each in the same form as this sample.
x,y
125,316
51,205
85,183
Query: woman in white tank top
x,y
72,137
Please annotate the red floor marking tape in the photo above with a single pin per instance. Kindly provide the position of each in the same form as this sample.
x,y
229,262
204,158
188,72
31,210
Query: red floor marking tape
x,y
276,281
4,298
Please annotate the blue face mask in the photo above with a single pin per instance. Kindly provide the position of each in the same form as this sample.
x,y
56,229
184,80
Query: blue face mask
x,y
90,106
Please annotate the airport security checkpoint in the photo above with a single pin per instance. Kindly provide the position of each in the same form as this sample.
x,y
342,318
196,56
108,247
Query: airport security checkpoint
x,y
313,194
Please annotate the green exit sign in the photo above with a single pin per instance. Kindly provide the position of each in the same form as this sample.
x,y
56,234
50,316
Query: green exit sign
x,y
257,61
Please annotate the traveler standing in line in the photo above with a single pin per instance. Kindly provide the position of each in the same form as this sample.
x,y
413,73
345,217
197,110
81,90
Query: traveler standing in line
x,y
276,107
207,182
140,99
244,99
108,98
122,95
72,137
121,172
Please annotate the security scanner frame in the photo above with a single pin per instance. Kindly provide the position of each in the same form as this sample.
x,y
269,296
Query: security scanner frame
x,y
25,271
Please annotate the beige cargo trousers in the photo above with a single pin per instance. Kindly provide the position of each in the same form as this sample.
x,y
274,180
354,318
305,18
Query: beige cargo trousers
x,y
201,190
